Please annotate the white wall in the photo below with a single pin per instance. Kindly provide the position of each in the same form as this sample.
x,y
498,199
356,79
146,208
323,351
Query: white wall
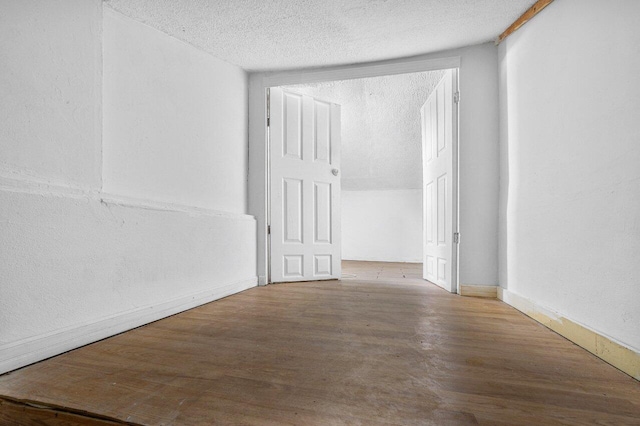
x,y
479,166
382,225
77,264
50,90
478,150
570,164
175,120
72,261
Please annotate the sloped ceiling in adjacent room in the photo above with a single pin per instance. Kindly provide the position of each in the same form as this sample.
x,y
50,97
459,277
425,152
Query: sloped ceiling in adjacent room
x,y
263,35
381,128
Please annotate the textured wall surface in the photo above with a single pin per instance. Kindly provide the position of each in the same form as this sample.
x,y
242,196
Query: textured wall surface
x,y
381,140
382,225
175,120
78,265
280,34
570,164
74,260
50,90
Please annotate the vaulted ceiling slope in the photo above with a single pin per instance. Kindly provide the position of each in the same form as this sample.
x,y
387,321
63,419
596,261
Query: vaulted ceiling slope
x,y
260,35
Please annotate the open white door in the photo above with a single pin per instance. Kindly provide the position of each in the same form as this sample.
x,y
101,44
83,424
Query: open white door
x,y
304,188
439,167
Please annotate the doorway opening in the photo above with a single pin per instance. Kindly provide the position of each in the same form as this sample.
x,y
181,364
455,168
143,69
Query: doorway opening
x,y
385,133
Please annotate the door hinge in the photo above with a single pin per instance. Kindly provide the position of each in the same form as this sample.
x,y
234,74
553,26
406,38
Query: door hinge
x,y
456,238
456,97
268,229
268,107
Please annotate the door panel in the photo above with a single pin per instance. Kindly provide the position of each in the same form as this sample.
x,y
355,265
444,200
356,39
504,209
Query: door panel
x,y
322,140
292,116
292,209
305,194
441,206
322,212
293,266
323,265
439,130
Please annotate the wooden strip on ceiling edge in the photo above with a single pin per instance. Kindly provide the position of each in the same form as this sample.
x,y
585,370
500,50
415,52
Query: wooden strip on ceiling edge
x,y
526,17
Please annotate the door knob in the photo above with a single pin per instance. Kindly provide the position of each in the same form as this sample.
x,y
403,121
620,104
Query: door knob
x,y
335,172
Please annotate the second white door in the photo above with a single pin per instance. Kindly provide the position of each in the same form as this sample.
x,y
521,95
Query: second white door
x,y
439,152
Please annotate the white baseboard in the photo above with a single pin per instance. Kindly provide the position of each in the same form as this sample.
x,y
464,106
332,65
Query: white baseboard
x,y
616,354
24,352
365,259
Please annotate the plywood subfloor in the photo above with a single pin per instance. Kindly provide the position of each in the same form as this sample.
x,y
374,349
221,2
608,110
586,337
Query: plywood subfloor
x,y
382,347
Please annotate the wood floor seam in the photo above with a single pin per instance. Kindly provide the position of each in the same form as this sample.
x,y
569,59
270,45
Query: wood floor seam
x,y
51,409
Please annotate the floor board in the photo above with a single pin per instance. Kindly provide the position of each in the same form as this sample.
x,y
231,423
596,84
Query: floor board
x,y
379,347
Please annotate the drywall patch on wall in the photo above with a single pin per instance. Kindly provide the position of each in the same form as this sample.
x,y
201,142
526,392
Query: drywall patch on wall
x,y
382,226
175,120
381,128
50,87
570,198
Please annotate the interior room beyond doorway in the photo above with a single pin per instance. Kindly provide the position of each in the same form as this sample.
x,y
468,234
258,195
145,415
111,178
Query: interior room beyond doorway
x,y
381,162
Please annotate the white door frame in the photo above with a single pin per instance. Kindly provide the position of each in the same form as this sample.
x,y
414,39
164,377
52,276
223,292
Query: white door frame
x,y
378,69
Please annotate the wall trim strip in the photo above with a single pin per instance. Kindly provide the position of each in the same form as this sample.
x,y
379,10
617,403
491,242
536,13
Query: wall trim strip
x,y
140,203
623,358
14,181
28,351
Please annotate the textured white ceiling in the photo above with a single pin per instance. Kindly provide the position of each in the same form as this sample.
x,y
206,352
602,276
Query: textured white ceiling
x,y
263,35
381,129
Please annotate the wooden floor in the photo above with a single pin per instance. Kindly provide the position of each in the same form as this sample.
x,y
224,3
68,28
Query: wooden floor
x,y
379,347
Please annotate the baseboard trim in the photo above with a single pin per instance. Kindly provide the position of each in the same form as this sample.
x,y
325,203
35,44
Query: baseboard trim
x,y
24,352
488,291
383,261
614,353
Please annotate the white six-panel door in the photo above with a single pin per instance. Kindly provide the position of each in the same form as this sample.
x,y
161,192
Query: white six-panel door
x,y
304,188
439,132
